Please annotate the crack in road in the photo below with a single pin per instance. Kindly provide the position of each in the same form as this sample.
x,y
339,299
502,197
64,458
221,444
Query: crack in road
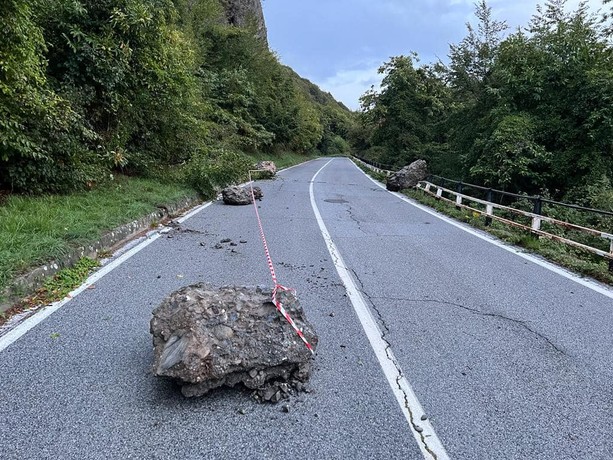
x,y
355,219
388,346
478,312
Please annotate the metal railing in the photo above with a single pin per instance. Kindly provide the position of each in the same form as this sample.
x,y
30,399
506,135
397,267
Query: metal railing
x,y
537,201
375,166
536,216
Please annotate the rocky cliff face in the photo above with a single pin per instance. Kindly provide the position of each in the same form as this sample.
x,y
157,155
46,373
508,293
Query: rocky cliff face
x,y
241,13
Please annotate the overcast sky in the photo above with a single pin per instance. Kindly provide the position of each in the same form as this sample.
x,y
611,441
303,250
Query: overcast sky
x,y
340,44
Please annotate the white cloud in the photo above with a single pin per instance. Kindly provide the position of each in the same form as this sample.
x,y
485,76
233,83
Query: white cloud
x,y
347,85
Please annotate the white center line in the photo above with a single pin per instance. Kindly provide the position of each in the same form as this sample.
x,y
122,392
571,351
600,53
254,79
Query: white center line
x,y
422,430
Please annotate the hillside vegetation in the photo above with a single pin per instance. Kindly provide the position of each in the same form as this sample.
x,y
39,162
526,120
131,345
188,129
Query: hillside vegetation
x,y
158,88
530,111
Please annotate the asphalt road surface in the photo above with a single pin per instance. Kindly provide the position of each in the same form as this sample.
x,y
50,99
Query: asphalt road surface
x,y
503,357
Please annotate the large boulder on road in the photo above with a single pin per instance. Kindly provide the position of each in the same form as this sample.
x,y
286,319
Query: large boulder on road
x,y
269,168
205,337
408,176
238,196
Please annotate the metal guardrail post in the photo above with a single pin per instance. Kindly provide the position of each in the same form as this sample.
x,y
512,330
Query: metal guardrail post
x,y
538,209
489,209
611,259
458,198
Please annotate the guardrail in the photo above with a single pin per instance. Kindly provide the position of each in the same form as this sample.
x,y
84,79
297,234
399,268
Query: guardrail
x,y
536,216
378,167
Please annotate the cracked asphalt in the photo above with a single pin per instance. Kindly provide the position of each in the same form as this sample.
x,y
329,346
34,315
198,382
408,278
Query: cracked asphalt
x,y
509,360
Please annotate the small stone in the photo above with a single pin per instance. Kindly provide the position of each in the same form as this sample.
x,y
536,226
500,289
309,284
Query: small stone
x,y
218,246
276,397
226,240
285,408
243,241
419,429
284,388
233,244
241,411
332,315
170,236
202,243
269,393
159,276
424,417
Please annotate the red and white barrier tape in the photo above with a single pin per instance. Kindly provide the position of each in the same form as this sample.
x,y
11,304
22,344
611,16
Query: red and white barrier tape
x,y
278,287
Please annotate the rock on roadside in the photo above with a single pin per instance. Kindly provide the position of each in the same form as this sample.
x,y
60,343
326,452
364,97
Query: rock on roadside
x,y
268,166
408,176
238,196
205,337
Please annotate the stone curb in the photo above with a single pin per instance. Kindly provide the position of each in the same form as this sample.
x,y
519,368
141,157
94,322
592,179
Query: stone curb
x,y
28,283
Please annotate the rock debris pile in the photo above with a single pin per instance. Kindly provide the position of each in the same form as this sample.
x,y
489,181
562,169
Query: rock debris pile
x,y
205,337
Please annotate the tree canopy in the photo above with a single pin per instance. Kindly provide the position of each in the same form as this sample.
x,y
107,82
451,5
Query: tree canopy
x,y
91,87
527,111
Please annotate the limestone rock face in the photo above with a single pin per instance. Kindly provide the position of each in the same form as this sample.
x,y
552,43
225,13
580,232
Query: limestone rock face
x,y
238,196
408,176
241,13
206,337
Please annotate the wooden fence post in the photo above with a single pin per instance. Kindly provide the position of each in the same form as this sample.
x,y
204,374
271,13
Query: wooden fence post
x,y
489,209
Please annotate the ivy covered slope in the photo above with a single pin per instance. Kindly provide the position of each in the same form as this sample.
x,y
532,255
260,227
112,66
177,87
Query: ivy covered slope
x,y
180,89
530,111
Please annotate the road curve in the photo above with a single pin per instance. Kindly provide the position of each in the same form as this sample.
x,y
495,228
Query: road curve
x,y
508,359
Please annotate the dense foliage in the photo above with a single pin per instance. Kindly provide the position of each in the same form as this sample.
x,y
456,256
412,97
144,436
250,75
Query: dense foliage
x,y
531,111
90,87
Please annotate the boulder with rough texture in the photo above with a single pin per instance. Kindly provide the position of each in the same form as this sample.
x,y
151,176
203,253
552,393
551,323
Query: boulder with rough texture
x,y
205,337
268,167
408,176
238,196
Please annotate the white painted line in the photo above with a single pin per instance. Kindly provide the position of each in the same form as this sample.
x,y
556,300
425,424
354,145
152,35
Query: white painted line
x,y
45,312
299,164
193,212
593,285
427,440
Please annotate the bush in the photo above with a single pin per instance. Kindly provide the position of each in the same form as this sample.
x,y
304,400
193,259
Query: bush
x,y
209,172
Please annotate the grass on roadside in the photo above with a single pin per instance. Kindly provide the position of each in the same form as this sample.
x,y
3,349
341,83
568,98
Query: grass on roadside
x,y
55,288
572,258
35,230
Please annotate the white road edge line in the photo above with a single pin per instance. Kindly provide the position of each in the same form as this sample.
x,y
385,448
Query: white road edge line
x,y
428,442
21,329
594,286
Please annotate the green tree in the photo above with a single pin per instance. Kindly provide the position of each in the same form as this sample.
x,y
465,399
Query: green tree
x,y
403,117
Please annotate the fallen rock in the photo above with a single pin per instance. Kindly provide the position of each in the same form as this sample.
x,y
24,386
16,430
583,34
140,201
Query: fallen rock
x,y
268,166
238,196
205,337
408,176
